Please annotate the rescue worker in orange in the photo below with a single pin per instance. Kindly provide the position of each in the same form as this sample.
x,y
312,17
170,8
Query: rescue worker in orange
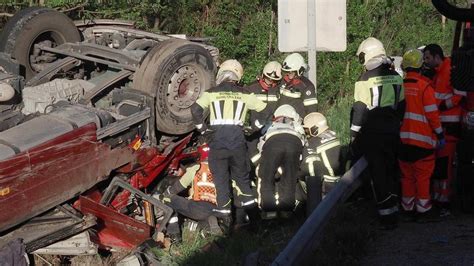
x,y
449,104
202,197
420,134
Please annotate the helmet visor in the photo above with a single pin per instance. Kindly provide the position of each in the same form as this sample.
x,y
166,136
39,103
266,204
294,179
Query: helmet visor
x,y
312,131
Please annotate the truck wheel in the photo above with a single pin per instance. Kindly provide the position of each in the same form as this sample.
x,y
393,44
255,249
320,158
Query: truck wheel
x,y
176,72
36,25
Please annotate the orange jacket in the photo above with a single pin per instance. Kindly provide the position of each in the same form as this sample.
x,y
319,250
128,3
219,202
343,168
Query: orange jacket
x,y
447,98
203,185
421,122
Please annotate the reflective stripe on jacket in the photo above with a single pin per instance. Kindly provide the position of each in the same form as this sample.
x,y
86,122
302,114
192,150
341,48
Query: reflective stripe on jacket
x,y
446,95
421,121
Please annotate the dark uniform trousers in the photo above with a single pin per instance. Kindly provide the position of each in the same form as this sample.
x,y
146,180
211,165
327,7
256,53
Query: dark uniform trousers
x,y
196,210
220,162
282,150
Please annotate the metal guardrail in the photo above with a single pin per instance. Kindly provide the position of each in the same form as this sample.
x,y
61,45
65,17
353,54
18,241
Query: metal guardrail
x,y
308,236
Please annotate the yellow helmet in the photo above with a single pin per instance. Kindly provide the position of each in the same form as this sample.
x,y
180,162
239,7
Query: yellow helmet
x,y
412,58
370,48
234,67
272,70
316,123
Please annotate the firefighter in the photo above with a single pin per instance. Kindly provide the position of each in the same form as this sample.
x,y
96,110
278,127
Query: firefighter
x,y
281,147
323,162
266,89
375,121
296,90
202,197
420,134
449,105
228,105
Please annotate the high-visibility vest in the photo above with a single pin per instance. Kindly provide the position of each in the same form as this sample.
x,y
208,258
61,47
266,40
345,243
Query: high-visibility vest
x,y
421,121
446,94
204,188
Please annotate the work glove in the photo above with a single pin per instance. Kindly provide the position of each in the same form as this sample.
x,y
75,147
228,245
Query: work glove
x,y
265,128
442,106
201,128
441,141
441,144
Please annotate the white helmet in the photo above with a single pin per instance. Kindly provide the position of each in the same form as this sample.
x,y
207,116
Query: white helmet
x,y
287,110
316,123
294,62
370,48
234,70
272,70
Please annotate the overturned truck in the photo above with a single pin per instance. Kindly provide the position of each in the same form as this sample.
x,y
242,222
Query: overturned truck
x,y
93,114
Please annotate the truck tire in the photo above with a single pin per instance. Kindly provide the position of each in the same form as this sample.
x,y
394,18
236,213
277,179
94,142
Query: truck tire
x,y
176,72
31,26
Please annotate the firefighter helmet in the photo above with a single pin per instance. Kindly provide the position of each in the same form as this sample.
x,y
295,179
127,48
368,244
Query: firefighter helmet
x,y
294,62
272,70
287,110
316,123
230,70
412,58
369,49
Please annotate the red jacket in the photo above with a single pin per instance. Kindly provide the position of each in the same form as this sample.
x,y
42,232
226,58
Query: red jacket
x,y
421,122
447,98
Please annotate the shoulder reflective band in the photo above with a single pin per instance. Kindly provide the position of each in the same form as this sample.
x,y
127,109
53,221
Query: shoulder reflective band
x,y
328,146
443,96
430,108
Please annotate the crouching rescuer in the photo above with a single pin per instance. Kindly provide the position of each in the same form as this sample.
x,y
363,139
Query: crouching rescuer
x,y
323,161
281,148
228,105
202,197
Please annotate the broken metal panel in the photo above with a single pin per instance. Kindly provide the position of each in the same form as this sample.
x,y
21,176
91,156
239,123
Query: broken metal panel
x,y
79,244
56,171
115,229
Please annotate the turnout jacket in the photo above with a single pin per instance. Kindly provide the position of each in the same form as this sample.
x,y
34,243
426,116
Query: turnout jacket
x,y
378,102
266,94
228,105
299,93
322,157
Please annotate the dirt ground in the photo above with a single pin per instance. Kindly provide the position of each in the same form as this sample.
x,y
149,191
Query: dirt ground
x,y
448,242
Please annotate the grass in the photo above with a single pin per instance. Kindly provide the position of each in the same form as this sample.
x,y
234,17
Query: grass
x,y
267,239
338,116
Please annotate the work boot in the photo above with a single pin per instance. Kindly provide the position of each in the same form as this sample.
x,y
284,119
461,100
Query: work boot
x,y
214,227
430,216
268,215
408,216
225,223
389,222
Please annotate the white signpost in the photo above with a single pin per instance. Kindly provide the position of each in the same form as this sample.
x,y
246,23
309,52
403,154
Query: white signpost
x,y
310,26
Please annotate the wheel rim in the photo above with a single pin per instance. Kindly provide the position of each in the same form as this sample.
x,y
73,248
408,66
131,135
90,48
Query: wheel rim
x,y
37,61
185,87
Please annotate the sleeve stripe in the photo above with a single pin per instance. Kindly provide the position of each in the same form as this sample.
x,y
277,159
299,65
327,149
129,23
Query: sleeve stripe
x,y
462,93
310,101
431,108
355,128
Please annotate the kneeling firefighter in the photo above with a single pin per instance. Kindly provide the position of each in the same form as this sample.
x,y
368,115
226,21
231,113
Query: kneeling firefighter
x,y
281,147
323,162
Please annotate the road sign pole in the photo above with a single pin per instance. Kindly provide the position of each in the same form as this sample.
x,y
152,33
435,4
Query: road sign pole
x,y
312,43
